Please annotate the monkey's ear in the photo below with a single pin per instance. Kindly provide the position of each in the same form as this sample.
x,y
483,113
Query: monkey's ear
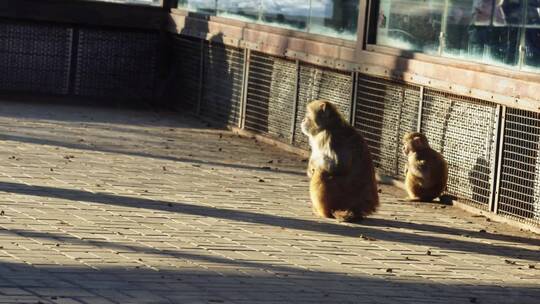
x,y
323,107
418,143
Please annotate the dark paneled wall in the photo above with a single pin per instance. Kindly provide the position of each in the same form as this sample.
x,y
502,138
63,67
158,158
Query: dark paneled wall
x,y
35,57
61,59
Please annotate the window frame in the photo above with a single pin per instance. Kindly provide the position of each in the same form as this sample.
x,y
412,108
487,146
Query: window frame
x,y
369,45
261,13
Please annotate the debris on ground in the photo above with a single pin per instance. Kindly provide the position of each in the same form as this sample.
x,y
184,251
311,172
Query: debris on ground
x,y
367,238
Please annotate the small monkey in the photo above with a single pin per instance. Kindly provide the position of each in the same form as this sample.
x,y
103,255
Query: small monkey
x,y
426,173
342,175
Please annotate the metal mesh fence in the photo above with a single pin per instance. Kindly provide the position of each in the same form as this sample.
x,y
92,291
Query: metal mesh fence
x,y
385,111
186,71
117,64
464,130
222,83
519,190
319,83
270,96
35,57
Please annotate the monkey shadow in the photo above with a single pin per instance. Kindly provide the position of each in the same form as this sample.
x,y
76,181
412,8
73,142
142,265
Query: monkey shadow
x,y
219,104
479,181
201,76
445,199
520,201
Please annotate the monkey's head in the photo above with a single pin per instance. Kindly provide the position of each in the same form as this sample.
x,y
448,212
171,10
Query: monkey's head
x,y
413,142
320,115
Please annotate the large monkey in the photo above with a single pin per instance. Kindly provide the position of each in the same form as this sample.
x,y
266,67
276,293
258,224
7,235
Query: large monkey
x,y
342,175
426,173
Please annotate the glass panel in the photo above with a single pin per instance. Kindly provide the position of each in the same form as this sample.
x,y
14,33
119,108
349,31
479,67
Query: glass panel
x,y
202,6
532,37
241,10
412,25
338,18
285,13
484,30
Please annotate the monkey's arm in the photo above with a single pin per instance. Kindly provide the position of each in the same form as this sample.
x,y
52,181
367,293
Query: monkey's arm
x,y
343,163
320,163
418,168
310,168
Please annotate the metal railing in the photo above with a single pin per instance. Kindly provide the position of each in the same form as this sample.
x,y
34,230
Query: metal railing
x,y
492,150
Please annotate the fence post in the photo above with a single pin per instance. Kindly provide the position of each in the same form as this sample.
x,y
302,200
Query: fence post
x,y
201,80
295,104
245,80
420,109
497,166
71,80
354,93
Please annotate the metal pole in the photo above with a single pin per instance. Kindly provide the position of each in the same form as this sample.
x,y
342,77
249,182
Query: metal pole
x,y
295,103
398,129
243,92
420,109
354,92
245,79
497,166
201,80
72,66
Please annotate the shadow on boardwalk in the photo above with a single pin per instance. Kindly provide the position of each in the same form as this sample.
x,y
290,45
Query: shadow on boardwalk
x,y
370,226
234,282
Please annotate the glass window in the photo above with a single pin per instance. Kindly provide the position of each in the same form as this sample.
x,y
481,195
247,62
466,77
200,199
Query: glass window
x,y
285,13
200,6
531,59
497,32
487,31
241,10
412,25
337,18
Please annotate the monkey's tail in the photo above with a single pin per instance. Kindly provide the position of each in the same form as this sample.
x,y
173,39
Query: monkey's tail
x,y
346,216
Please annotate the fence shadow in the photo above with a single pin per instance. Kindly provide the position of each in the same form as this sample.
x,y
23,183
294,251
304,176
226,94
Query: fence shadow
x,y
370,227
232,280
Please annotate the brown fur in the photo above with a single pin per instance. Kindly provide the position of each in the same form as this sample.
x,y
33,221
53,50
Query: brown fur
x,y
342,175
426,174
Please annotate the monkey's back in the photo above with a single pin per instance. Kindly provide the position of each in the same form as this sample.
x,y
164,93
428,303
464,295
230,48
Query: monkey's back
x,y
352,192
434,178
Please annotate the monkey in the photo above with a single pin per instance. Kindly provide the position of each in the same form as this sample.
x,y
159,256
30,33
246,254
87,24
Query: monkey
x,y
342,176
426,171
